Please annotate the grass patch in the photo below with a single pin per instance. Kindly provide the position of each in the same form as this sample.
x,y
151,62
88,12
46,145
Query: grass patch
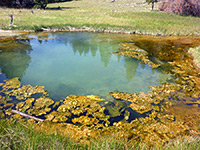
x,y
130,16
186,143
18,135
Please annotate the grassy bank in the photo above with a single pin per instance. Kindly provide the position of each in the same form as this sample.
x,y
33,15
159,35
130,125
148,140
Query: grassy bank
x,y
134,16
17,135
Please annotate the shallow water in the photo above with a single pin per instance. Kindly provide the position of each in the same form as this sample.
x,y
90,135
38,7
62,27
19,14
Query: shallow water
x,y
76,63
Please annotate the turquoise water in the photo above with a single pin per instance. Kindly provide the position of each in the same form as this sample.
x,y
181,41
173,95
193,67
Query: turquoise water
x,y
77,63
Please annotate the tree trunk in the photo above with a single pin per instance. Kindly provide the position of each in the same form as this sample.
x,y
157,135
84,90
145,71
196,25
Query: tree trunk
x,y
153,4
11,20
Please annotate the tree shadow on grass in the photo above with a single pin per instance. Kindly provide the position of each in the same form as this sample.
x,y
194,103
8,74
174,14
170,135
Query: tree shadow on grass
x,y
60,8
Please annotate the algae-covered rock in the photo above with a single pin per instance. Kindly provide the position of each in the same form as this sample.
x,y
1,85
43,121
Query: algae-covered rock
x,y
36,107
26,91
80,104
2,114
59,116
2,100
13,83
41,106
56,104
8,106
85,120
141,102
24,106
43,102
50,117
63,108
140,54
20,105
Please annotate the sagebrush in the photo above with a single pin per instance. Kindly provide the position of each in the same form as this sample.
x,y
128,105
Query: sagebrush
x,y
180,7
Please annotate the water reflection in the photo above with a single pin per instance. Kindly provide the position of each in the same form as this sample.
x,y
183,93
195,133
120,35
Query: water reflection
x,y
76,63
85,44
131,65
14,57
93,43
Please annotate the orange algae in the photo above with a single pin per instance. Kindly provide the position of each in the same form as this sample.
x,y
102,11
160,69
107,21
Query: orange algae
x,y
167,48
147,48
190,114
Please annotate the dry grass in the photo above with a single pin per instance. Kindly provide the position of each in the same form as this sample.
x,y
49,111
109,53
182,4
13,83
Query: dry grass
x,y
196,54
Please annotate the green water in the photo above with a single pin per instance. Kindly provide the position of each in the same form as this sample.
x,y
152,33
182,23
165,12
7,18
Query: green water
x,y
77,63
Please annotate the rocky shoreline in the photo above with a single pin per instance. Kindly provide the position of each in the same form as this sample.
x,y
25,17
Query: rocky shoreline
x,y
4,33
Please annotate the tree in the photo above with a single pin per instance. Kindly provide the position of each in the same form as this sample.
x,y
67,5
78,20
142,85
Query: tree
x,y
28,3
42,3
17,3
152,3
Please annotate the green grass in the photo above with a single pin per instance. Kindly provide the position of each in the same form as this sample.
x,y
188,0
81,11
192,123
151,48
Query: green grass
x,y
16,135
187,143
99,14
21,136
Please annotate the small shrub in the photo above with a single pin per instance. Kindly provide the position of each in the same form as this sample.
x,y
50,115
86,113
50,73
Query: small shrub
x,y
180,7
